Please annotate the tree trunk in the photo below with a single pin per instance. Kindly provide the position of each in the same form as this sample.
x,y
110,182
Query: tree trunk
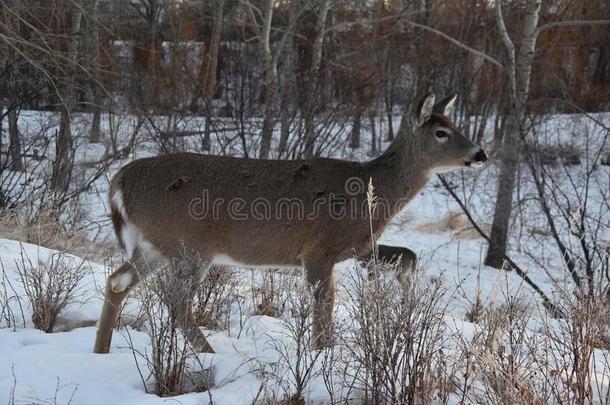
x,y
270,82
518,71
287,85
373,133
94,135
62,166
94,95
14,150
64,154
211,68
355,134
268,117
504,195
285,114
389,106
207,129
312,76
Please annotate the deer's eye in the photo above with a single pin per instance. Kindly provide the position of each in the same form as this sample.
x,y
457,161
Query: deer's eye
x,y
441,136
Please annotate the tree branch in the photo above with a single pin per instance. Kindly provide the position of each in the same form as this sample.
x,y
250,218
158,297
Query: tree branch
x,y
457,43
548,304
570,24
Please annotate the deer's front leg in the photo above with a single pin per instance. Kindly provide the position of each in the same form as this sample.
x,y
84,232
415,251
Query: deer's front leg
x,y
320,277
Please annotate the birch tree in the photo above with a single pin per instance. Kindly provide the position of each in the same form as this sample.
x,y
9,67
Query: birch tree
x,y
270,79
270,60
288,82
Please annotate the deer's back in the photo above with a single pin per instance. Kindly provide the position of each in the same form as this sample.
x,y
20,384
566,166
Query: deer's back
x,y
258,212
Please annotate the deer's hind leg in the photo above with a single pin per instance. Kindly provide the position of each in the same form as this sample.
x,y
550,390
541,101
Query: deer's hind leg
x,y
407,258
183,313
320,276
124,278
179,300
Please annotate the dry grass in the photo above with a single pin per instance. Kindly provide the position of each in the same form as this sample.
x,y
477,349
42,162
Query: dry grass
x,y
456,223
43,229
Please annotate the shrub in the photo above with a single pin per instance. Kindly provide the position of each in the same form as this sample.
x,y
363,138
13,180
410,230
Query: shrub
x,y
50,287
396,348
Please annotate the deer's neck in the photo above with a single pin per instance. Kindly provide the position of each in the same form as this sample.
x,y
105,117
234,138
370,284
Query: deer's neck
x,y
398,175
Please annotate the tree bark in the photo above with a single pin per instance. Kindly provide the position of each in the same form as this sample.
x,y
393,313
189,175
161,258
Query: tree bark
x,y
14,151
518,71
312,76
64,154
389,106
287,84
95,96
356,124
270,83
268,117
211,68
504,194
373,133
94,134
64,157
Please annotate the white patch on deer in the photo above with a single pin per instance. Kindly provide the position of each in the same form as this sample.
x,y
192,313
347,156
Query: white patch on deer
x,y
131,236
222,259
117,201
120,282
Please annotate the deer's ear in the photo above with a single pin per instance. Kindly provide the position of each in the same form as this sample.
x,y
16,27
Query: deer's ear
x,y
445,106
424,109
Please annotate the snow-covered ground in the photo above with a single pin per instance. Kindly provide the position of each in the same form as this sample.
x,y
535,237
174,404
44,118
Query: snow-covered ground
x,y
60,367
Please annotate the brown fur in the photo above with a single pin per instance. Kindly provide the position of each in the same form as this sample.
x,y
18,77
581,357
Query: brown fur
x,y
158,195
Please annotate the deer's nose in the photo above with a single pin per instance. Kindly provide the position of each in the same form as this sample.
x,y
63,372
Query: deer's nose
x,y
480,156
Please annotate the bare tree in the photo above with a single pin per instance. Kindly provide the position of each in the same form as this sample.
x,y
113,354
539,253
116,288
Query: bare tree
x,y
211,66
288,82
64,149
311,78
270,58
92,39
270,77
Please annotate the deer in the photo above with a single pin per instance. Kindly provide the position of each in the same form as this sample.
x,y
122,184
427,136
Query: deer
x,y
233,211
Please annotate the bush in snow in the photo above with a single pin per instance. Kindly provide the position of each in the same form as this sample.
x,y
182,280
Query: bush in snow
x,y
50,287
215,296
295,363
172,364
395,352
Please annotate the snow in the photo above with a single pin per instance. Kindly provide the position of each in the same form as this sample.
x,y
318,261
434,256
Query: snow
x,y
61,368
43,362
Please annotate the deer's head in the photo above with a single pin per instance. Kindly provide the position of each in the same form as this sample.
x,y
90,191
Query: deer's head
x,y
437,141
